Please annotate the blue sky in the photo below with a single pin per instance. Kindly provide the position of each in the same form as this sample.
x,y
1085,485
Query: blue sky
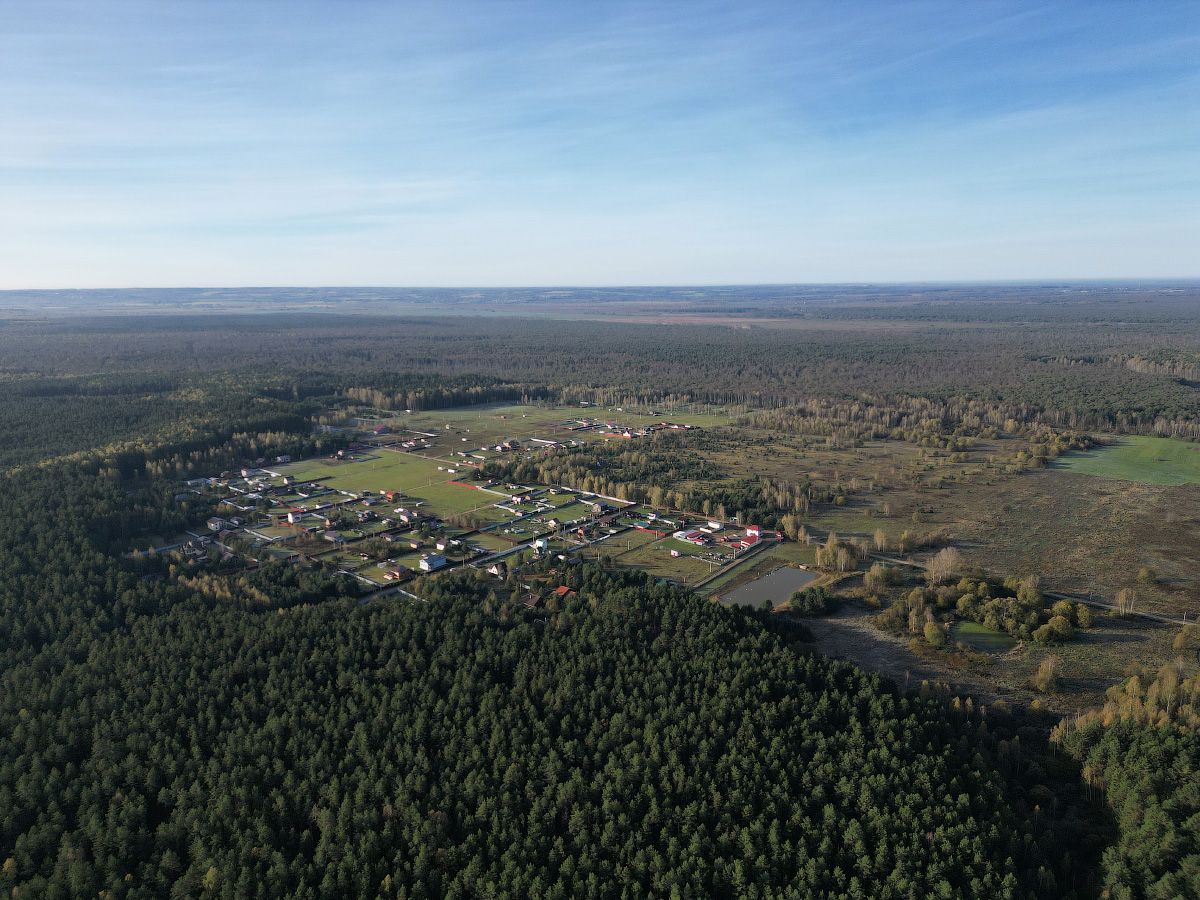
x,y
359,142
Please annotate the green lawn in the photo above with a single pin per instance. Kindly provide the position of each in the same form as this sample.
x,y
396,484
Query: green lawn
x,y
1149,460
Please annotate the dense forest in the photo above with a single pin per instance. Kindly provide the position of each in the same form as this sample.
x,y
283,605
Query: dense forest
x,y
268,733
1142,751
1116,359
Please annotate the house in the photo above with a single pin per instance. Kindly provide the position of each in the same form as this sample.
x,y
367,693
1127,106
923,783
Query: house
x,y
599,508
562,592
499,569
753,531
216,524
394,574
540,544
714,525
335,537
283,459
295,516
289,479
431,562
382,429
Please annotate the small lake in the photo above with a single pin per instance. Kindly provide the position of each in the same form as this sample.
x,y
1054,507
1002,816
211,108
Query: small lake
x,y
776,587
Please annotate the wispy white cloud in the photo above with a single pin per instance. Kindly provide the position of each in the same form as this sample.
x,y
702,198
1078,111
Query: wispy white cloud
x,y
524,142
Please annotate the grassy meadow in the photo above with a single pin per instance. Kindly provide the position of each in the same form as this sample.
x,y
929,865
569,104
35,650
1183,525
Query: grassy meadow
x,y
1148,460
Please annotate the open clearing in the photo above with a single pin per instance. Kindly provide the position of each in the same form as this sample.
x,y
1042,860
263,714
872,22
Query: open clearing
x,y
980,637
1149,460
1086,535
1088,665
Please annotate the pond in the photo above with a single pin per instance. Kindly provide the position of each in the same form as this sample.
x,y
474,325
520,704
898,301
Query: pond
x,y
776,587
980,637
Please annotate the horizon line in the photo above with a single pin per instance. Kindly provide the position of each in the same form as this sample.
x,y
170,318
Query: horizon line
x,y
1124,279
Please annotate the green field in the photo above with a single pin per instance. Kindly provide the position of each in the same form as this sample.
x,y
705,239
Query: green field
x,y
490,541
569,512
385,469
980,637
626,540
1148,460
415,476
657,560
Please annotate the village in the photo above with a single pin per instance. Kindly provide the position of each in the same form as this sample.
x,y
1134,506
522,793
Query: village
x,y
398,503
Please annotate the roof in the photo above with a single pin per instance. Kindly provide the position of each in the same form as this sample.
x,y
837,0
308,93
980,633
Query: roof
x,y
563,591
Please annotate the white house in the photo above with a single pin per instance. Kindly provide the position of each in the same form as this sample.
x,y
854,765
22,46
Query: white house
x,y
431,562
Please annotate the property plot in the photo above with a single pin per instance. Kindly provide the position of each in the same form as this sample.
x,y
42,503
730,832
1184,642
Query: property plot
x,y
374,574
273,532
656,559
448,498
1148,460
571,512
491,541
630,539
